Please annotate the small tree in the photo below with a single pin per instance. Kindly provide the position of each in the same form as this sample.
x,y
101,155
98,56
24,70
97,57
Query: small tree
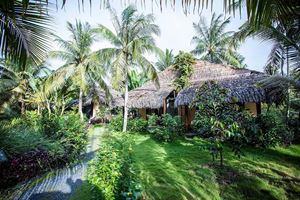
x,y
222,120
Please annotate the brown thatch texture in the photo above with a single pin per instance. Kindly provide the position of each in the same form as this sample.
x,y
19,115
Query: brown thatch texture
x,y
150,95
112,99
241,84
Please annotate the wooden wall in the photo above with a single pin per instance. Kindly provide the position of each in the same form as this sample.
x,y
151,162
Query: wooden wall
x,y
253,108
187,115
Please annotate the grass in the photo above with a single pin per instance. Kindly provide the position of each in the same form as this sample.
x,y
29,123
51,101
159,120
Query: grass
x,y
183,170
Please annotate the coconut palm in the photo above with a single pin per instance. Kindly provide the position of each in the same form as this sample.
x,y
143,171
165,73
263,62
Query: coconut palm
x,y
136,79
80,64
214,44
285,54
19,82
132,38
24,30
165,59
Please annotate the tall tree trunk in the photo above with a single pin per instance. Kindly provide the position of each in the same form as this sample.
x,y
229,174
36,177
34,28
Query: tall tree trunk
x,y
62,109
49,108
96,106
38,109
80,104
288,88
125,106
22,104
282,63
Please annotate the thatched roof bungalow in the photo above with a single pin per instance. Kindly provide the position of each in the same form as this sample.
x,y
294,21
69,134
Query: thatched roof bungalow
x,y
241,84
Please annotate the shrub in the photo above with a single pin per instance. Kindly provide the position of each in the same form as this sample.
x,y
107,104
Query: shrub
x,y
18,137
273,129
72,134
116,123
49,125
111,171
170,129
138,125
153,120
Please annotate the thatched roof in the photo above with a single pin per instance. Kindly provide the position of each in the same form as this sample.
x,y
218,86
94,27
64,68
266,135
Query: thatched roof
x,y
241,84
115,97
150,95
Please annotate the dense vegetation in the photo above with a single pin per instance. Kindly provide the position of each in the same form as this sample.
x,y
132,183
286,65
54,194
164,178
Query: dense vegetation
x,y
35,143
38,132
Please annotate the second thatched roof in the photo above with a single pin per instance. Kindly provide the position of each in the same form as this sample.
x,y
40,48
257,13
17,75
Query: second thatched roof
x,y
241,84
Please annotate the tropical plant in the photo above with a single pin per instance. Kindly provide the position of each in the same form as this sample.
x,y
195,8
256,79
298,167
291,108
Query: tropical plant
x,y
165,60
81,64
214,44
132,38
20,82
24,30
136,79
285,52
223,122
184,65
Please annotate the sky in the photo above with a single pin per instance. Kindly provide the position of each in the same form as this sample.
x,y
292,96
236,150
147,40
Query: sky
x,y
176,27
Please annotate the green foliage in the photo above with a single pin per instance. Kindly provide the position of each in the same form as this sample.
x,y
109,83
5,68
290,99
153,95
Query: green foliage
x,y
138,125
116,123
273,129
169,130
153,120
214,44
72,134
218,120
134,125
62,136
111,171
20,136
184,64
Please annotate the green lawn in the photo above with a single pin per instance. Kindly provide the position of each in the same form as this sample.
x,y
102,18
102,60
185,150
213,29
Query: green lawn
x,y
183,170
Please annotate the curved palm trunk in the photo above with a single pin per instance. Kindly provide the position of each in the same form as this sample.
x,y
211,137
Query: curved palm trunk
x,y
288,89
125,106
38,109
80,104
96,107
22,105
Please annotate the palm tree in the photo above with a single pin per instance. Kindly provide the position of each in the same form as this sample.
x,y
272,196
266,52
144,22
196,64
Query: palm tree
x,y
136,79
132,38
214,44
285,52
24,30
165,60
19,82
81,63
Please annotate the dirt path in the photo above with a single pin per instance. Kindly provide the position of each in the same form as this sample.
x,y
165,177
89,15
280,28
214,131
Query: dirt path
x,y
61,184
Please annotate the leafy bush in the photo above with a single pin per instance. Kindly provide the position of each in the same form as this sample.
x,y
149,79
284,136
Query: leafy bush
x,y
116,123
18,137
170,129
273,129
111,171
134,125
138,125
153,120
39,143
71,134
